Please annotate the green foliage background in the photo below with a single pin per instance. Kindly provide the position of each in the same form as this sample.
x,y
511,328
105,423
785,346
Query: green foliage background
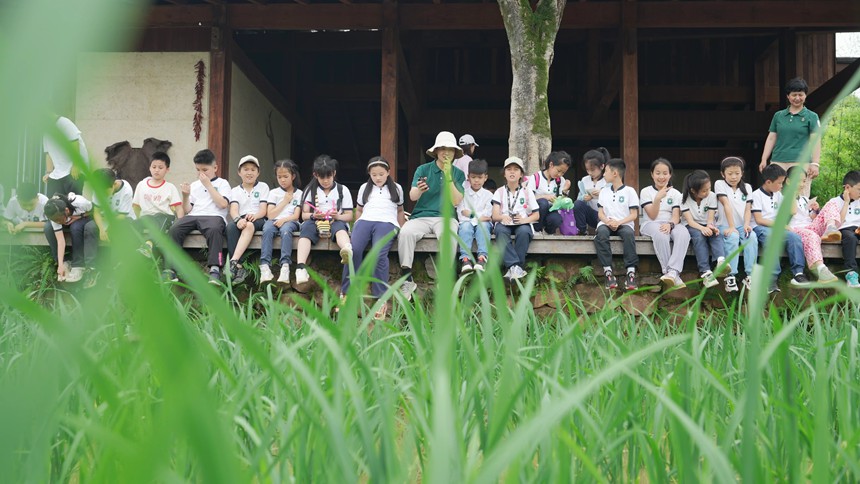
x,y
840,149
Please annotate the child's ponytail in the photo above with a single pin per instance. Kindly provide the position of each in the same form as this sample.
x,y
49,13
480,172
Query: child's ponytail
x,y
694,182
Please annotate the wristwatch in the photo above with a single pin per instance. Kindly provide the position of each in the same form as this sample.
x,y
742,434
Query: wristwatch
x,y
236,220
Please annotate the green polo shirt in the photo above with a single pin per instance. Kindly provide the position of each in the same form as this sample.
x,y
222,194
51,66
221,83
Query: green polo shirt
x,y
792,133
430,203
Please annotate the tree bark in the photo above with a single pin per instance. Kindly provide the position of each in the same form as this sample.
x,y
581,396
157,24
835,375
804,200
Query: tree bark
x,y
531,37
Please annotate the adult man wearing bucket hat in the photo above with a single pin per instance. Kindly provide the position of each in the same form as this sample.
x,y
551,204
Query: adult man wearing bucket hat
x,y
468,144
427,191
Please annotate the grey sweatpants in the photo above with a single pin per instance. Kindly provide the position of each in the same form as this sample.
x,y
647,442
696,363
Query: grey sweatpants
x,y
414,229
671,257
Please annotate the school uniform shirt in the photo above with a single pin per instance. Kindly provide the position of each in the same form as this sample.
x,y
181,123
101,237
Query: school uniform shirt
x,y
699,210
538,183
463,163
520,202
278,194
586,184
852,217
617,204
249,201
801,218
766,203
57,150
479,203
379,206
121,201
201,202
671,201
737,200
15,214
326,202
80,207
156,198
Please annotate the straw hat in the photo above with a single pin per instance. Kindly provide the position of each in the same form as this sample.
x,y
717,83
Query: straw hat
x,y
446,139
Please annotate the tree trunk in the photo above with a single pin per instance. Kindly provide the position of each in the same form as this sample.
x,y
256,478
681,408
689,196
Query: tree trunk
x,y
531,36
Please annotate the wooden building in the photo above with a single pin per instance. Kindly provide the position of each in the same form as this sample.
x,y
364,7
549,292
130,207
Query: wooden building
x,y
693,82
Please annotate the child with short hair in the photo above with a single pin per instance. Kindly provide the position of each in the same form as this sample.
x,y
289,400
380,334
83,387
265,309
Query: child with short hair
x,y
326,210
765,205
699,208
380,212
71,212
283,219
120,197
247,214
25,210
849,210
735,209
585,207
547,185
156,201
810,228
661,220
474,214
515,209
617,208
205,202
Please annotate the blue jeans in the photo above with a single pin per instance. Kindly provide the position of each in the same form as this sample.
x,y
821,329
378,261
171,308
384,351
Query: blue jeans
x,y
268,241
707,249
750,249
793,246
514,251
366,234
479,233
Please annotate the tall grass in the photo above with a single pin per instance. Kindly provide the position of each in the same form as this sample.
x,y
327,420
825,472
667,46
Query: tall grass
x,y
137,381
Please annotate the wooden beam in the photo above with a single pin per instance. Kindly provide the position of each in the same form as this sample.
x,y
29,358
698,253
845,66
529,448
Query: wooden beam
x,y
180,16
408,96
707,14
820,99
389,94
611,84
220,81
787,60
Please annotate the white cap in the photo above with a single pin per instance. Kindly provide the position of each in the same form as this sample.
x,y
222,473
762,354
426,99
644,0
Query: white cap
x,y
468,139
249,159
513,160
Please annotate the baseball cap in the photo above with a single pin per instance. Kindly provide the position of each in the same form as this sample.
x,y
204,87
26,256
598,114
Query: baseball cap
x,y
249,159
513,160
468,139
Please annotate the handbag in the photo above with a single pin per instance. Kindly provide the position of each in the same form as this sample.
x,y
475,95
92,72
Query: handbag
x,y
568,222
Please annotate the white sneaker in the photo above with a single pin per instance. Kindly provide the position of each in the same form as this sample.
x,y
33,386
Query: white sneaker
x,y
302,276
667,280
517,272
75,275
679,282
407,289
708,279
266,274
731,284
747,282
509,275
722,268
824,275
284,278
346,254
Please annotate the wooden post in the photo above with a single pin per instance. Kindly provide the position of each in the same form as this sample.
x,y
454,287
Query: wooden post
x,y
390,76
787,62
221,69
629,111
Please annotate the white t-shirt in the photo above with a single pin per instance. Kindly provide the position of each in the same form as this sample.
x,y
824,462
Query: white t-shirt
x,y
249,200
325,202
57,151
16,214
671,201
121,200
479,203
617,204
539,184
80,207
766,203
801,217
699,210
278,194
463,164
158,199
737,200
379,207
520,202
201,202
852,217
586,184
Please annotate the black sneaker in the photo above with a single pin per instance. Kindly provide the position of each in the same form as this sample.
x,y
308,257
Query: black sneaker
x,y
611,281
630,281
215,277
239,274
799,280
465,265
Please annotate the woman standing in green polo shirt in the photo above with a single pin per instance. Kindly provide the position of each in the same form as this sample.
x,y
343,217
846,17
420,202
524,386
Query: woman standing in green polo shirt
x,y
790,131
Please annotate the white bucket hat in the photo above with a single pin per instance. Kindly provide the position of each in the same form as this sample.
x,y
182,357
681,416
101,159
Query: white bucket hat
x,y
468,139
446,139
513,160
